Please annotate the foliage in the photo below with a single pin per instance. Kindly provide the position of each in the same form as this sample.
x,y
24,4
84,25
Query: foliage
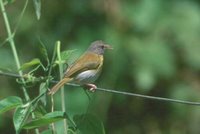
x,y
156,52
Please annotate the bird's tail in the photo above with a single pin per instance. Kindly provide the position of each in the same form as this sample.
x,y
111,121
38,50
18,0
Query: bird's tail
x,y
55,88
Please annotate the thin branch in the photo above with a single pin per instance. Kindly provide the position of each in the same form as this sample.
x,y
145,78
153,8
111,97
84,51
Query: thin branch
x,y
124,93
150,97
20,17
17,25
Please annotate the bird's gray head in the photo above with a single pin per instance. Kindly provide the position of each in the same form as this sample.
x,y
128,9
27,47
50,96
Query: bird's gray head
x,y
98,47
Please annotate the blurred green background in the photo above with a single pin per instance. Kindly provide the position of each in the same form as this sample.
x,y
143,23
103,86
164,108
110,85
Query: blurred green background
x,y
156,52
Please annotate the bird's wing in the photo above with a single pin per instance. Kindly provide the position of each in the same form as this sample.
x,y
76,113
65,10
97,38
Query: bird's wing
x,y
87,61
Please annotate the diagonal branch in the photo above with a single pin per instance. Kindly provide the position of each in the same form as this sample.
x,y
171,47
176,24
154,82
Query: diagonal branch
x,y
124,93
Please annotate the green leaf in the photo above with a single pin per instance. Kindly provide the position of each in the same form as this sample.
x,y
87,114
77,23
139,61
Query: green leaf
x,y
45,120
10,1
43,51
89,124
43,89
71,131
47,131
66,54
33,62
9,103
20,116
40,111
37,4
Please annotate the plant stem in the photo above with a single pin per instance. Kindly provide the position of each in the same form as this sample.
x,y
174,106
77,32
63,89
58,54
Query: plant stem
x,y
49,74
52,109
62,89
14,51
12,44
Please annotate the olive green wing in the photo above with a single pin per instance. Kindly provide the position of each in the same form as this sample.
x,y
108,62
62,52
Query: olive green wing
x,y
87,61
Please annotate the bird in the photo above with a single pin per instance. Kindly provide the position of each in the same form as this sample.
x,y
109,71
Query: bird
x,y
86,69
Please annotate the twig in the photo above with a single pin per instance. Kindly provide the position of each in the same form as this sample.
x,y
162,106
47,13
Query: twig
x,y
124,93
20,17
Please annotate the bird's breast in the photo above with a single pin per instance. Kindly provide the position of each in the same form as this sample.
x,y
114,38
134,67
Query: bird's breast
x,y
88,76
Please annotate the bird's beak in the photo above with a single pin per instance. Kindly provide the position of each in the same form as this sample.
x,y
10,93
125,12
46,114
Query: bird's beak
x,y
107,47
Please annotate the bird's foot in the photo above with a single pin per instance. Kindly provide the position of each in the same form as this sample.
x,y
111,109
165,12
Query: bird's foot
x,y
90,87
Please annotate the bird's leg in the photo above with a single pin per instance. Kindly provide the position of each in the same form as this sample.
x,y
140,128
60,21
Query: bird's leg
x,y
90,87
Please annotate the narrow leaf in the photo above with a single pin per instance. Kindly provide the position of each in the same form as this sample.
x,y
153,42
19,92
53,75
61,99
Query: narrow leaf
x,y
40,111
89,124
20,116
43,51
33,62
10,1
37,4
47,131
65,54
45,120
43,89
9,103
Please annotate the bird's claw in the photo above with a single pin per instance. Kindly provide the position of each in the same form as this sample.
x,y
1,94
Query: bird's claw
x,y
91,87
